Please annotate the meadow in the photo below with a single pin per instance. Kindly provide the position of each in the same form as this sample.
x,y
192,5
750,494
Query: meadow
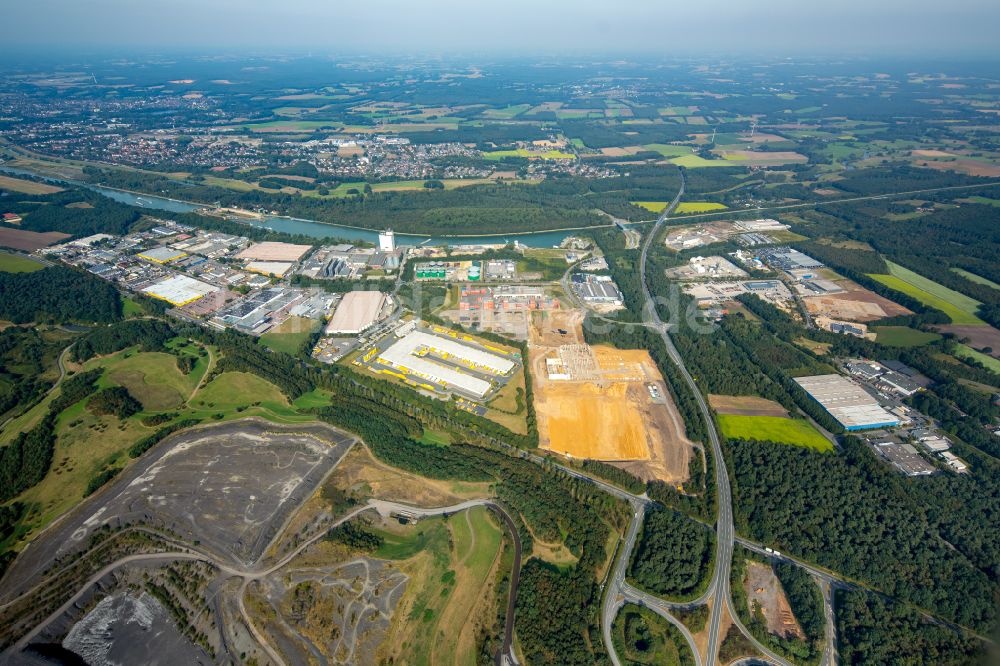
x,y
970,354
960,308
797,432
903,336
13,263
698,207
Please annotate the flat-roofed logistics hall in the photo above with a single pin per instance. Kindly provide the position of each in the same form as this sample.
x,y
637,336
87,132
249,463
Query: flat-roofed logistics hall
x,y
274,251
161,255
852,406
179,290
357,311
443,361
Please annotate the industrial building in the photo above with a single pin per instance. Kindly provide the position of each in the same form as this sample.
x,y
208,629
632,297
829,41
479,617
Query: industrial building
x,y
787,259
596,289
357,311
387,241
275,268
179,290
274,251
438,359
161,255
847,402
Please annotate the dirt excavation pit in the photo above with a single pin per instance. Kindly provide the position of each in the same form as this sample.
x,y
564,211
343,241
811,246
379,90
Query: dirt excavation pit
x,y
763,587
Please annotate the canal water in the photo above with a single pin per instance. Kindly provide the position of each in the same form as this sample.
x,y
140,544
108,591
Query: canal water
x,y
293,225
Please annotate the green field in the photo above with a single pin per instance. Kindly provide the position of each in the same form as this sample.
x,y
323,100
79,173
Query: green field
x,y
903,336
507,113
289,336
986,201
959,307
668,150
698,207
977,278
651,206
698,162
798,432
968,353
523,152
13,263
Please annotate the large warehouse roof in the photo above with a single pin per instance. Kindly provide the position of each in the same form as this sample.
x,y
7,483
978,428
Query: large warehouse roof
x,y
274,251
404,355
179,290
357,311
847,402
418,340
161,255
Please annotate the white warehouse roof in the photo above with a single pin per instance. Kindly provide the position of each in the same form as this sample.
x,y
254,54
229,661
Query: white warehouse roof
x,y
357,311
847,402
406,355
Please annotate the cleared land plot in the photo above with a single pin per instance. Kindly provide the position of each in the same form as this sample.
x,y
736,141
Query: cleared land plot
x,y
959,307
28,241
605,411
763,587
797,432
746,405
854,304
903,336
12,263
27,186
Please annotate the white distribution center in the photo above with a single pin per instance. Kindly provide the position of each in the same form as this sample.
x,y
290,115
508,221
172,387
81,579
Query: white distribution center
x,y
410,354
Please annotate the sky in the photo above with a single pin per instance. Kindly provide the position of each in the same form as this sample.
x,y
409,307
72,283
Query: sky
x,y
577,27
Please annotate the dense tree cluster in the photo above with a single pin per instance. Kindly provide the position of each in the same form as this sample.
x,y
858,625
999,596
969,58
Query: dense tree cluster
x,y
115,400
873,630
57,294
673,557
149,334
25,461
851,514
92,213
355,535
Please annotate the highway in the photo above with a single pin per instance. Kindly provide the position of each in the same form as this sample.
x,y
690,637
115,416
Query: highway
x,y
718,588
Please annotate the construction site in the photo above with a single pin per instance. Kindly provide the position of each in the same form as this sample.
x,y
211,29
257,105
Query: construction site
x,y
602,403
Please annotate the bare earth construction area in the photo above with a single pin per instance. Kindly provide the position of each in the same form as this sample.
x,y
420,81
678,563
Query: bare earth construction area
x,y
603,403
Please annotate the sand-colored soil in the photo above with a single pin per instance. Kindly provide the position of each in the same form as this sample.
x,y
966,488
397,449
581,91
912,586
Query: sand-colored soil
x,y
854,304
746,405
605,411
764,587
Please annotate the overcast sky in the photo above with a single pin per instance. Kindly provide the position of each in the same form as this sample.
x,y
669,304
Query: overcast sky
x,y
667,27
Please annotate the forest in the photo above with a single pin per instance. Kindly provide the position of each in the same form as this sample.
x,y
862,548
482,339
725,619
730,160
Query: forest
x,y
674,554
58,294
851,514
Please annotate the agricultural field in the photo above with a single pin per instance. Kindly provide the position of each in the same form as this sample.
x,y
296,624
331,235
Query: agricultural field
x,y
698,207
903,336
27,186
797,432
652,206
746,405
530,154
960,308
15,263
970,354
977,278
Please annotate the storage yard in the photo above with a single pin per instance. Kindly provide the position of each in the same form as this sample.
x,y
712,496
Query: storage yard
x,y
715,293
502,309
603,403
441,361
706,268
852,406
